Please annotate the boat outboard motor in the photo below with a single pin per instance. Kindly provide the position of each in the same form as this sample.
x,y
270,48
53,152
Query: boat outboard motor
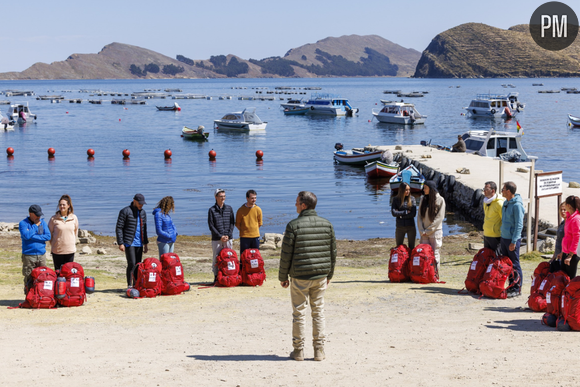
x,y
338,146
387,157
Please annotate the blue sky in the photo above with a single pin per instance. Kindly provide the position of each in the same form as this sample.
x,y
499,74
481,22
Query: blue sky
x,y
48,31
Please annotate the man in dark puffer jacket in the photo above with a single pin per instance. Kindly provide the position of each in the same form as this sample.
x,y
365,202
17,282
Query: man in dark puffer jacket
x,y
132,234
220,218
308,257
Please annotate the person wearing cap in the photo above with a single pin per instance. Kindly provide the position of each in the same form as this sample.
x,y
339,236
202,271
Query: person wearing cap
x,y
220,219
34,233
430,219
132,234
459,146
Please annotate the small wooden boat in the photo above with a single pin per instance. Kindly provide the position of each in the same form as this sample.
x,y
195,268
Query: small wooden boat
x,y
574,121
378,169
410,175
174,108
295,111
356,156
195,134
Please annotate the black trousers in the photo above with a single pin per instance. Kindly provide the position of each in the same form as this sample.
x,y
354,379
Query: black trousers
x,y
134,256
61,259
570,269
492,243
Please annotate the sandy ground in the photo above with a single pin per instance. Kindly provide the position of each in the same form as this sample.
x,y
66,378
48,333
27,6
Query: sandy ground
x,y
379,334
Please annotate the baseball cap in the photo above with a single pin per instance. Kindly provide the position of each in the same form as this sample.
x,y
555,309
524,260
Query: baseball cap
x,y
36,210
140,198
218,191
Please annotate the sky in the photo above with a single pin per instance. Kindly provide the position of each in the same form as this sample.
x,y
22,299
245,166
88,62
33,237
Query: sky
x,y
49,31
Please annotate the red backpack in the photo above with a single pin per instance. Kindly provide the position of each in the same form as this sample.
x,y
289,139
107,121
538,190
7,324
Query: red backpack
x,y
253,273
570,308
399,264
172,275
477,269
41,291
148,281
496,278
423,267
537,299
74,291
228,268
558,282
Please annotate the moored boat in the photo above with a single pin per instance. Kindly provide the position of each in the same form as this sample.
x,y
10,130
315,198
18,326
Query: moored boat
x,y
195,134
496,106
5,123
326,104
292,103
410,175
174,108
398,113
355,156
378,169
574,121
20,113
296,111
244,120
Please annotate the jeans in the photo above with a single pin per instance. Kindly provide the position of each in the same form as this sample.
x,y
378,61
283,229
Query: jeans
x,y
411,232
301,291
436,241
165,248
514,256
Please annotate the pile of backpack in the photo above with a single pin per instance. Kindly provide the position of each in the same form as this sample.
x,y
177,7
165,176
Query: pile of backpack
x,y
250,271
159,277
557,296
417,266
490,275
66,287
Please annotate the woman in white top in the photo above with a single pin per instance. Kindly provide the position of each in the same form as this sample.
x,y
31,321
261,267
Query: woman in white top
x,y
430,219
64,227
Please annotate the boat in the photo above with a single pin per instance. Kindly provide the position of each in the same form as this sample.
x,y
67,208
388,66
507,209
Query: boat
x,y
20,113
537,84
174,108
497,106
295,111
398,113
574,121
195,134
244,120
413,94
5,123
326,104
355,156
378,169
292,103
492,143
410,175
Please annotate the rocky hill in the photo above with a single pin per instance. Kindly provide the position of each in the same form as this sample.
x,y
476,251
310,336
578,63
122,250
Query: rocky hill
x,y
476,50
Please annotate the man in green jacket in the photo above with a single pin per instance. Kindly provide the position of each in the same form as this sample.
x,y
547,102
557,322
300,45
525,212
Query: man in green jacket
x,y
308,257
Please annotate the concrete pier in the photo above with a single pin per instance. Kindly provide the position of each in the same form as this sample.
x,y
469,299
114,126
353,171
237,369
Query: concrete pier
x,y
432,162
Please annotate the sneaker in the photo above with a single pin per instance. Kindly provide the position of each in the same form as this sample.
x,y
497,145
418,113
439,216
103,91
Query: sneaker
x,y
319,354
297,354
513,293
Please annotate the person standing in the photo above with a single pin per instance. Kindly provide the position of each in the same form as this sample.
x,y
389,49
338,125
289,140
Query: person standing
x,y
492,208
64,228
568,258
131,233
430,220
34,233
404,208
308,257
164,227
555,263
248,222
220,218
511,233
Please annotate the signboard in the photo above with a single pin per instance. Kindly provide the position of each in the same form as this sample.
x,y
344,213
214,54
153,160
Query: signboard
x,y
548,184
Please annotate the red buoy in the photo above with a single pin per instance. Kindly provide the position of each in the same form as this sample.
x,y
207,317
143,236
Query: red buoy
x,y
259,154
51,152
10,151
212,154
167,153
90,152
126,153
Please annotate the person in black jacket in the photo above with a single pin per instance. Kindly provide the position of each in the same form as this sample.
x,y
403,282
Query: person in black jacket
x,y
132,234
404,208
220,219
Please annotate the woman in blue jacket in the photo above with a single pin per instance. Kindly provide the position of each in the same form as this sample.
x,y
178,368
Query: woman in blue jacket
x,y
164,227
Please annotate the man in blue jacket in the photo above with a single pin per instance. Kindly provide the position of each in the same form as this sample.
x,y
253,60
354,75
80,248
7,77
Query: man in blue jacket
x,y
34,233
511,232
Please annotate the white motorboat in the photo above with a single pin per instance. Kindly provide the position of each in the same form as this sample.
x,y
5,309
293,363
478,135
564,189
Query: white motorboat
x,y
399,113
326,104
244,120
292,104
355,156
20,113
497,106
506,145
5,123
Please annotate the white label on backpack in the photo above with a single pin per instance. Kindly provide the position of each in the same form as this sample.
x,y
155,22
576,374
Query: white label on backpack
x,y
152,277
254,263
549,298
562,302
533,281
177,270
231,265
75,282
473,265
417,261
489,268
47,285
395,258
543,284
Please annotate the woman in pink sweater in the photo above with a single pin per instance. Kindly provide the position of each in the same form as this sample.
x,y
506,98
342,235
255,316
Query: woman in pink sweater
x,y
568,257
64,227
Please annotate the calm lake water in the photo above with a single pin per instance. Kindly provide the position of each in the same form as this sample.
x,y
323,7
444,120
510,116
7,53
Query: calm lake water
x,y
297,149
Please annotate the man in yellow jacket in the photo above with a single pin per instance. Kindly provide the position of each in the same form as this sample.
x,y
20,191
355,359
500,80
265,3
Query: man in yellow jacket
x,y
248,222
492,205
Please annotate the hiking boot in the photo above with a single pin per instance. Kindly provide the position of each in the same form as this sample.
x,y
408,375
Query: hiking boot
x,y
319,354
513,293
297,354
